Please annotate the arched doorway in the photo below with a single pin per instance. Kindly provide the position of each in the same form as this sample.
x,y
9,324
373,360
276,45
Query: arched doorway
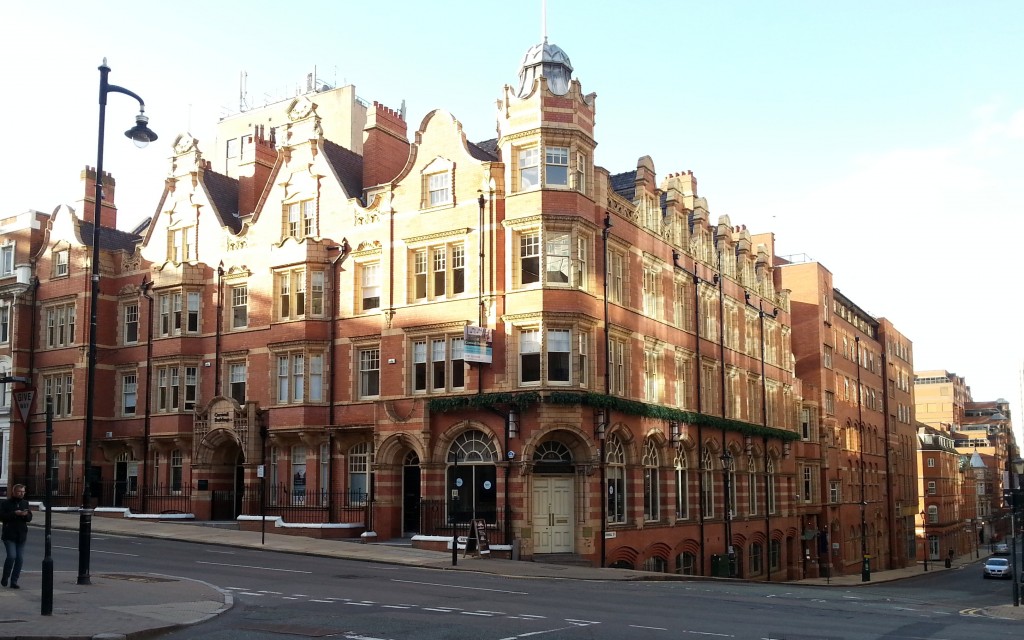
x,y
226,477
411,494
553,499
472,478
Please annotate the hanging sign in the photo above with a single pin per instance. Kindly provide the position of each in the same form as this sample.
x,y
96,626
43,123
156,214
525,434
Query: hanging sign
x,y
477,344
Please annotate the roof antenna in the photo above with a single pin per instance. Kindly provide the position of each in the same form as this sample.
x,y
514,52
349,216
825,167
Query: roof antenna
x,y
544,21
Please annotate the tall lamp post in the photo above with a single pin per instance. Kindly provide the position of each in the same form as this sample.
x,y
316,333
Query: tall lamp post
x,y
141,135
727,464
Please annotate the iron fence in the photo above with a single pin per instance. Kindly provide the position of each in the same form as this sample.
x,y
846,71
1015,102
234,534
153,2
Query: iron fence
x,y
435,521
350,507
112,493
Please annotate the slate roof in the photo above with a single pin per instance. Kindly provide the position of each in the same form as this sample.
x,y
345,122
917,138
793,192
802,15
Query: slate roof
x,y
110,239
624,184
485,150
349,167
223,192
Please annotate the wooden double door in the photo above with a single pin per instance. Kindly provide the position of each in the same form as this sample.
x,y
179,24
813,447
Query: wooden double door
x,y
552,514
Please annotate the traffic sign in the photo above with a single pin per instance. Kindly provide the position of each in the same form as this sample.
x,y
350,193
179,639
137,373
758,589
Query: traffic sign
x,y
23,398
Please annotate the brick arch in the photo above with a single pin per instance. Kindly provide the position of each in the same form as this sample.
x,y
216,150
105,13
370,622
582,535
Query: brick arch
x,y
579,443
206,451
623,554
439,452
393,448
657,550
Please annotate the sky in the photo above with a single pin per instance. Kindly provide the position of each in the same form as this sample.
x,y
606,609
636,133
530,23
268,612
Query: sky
x,y
882,139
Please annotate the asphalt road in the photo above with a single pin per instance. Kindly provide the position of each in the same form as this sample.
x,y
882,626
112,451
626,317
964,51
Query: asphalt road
x,y
288,596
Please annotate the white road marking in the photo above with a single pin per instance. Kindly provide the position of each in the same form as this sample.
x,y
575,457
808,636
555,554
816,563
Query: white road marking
x,y
527,615
497,613
640,626
358,604
276,593
706,633
455,586
250,593
438,610
581,621
324,601
248,566
477,613
395,606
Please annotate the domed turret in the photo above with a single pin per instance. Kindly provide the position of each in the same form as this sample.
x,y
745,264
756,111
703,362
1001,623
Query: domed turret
x,y
549,61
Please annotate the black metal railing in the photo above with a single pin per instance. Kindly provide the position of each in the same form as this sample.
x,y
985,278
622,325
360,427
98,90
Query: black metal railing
x,y
112,493
306,506
435,521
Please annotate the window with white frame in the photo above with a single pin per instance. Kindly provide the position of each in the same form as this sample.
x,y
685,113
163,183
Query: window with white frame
x,y
358,473
176,467
931,487
179,313
618,373
60,263
559,256
180,246
291,377
439,189
652,490
529,168
439,365
652,291
369,372
130,311
529,257
58,388
616,276
835,492
317,286
683,397
438,271
652,375
615,468
583,358
545,356
298,219
556,166
60,325
298,474
6,259
129,393
5,395
177,387
291,294
807,487
580,173
236,380
240,306
682,485
933,514
369,286
753,399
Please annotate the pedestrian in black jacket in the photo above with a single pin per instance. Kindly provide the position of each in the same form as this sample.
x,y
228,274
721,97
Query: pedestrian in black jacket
x,y
15,515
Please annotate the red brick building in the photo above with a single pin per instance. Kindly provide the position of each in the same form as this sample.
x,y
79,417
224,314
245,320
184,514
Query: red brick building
x,y
403,333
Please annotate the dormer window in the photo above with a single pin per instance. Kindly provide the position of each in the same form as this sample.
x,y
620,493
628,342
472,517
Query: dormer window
x,y
436,184
439,186
60,263
299,219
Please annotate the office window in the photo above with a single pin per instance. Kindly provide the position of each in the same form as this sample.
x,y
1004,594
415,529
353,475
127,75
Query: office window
x,y
617,383
191,387
316,297
177,387
830,403
179,312
769,479
529,258
291,377
580,173
129,389
835,492
808,484
805,424
439,189
370,286
299,219
5,322
931,487
438,271
707,496
369,372
179,244
316,378
651,292
529,356
652,490
615,461
683,397
933,515
291,294
529,168
5,394
682,486
298,490
237,377
753,491
756,559
616,275
60,325
239,306
827,357
60,263
358,473
6,260
438,364
583,354
58,388
652,376
556,166
131,323
931,462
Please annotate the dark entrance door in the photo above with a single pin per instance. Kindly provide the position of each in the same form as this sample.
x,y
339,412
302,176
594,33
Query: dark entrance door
x,y
411,499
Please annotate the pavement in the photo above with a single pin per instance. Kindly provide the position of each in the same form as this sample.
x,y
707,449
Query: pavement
x,y
144,605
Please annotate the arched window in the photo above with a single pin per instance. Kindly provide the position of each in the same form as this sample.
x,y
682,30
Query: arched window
x,y
652,492
752,488
552,457
686,564
769,478
707,489
682,486
358,473
615,459
775,555
655,564
472,478
756,560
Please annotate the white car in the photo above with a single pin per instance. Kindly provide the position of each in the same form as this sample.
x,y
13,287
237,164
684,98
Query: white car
x,y
997,568
1001,549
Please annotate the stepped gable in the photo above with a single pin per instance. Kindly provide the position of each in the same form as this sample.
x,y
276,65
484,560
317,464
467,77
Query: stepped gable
x,y
348,166
223,192
624,184
486,150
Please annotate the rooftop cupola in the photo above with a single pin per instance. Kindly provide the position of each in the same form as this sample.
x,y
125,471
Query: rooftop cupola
x,y
549,61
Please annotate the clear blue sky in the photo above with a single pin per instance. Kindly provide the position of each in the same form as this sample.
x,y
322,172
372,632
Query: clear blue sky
x,y
883,139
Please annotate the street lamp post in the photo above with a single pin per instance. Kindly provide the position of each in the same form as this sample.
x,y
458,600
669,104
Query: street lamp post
x,y
924,538
727,464
141,135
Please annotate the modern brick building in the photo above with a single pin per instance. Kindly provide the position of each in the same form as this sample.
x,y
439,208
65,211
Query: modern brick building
x,y
384,333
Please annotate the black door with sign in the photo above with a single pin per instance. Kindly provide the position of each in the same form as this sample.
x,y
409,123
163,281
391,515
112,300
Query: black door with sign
x,y
472,493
